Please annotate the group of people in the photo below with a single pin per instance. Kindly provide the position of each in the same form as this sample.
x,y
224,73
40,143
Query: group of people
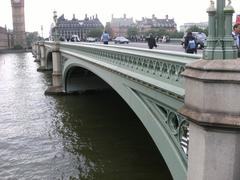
x,y
191,44
190,41
151,40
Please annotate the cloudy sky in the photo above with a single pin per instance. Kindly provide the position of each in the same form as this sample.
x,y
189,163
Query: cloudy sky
x,y
40,12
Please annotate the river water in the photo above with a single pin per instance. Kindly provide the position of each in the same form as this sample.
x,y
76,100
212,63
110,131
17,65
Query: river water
x,y
92,136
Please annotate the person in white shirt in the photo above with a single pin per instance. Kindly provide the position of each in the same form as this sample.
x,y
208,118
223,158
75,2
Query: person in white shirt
x,y
236,35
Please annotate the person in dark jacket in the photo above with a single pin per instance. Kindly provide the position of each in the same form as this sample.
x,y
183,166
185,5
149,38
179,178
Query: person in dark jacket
x,y
151,42
189,46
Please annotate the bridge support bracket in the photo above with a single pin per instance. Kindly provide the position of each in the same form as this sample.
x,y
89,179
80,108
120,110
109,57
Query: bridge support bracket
x,y
212,104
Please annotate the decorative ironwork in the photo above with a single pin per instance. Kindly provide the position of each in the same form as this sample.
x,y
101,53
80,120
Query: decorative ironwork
x,y
164,67
177,126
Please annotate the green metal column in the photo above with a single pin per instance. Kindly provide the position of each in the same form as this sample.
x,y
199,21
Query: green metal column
x,y
220,18
220,42
208,52
219,52
230,49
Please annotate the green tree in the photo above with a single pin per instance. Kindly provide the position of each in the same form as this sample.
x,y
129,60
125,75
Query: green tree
x,y
18,46
97,32
32,37
205,31
175,34
195,29
132,32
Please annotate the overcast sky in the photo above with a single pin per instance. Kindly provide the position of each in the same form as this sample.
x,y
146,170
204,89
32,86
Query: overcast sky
x,y
40,12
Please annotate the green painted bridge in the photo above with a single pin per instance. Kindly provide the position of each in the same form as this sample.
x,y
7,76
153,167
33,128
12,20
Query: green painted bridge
x,y
149,81
201,143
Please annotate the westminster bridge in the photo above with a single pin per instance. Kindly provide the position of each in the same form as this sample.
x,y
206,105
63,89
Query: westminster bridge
x,y
149,81
189,104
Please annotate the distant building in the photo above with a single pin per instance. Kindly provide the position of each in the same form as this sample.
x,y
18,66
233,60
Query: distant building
x,y
120,26
67,28
186,26
147,24
3,38
18,23
6,38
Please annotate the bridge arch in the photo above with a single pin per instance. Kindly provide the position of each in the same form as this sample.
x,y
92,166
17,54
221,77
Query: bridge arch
x,y
80,79
153,114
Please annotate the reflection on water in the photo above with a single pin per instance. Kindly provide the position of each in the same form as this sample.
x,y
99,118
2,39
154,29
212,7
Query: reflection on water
x,y
88,136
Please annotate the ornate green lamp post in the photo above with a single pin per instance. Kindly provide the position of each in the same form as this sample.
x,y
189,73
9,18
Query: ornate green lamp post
x,y
220,41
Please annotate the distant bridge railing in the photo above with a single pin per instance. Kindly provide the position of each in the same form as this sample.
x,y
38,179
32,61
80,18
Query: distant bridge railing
x,y
165,66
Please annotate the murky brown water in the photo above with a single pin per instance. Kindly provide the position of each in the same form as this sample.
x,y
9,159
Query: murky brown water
x,y
92,136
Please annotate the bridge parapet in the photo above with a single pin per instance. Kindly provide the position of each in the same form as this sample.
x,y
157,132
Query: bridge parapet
x,y
160,66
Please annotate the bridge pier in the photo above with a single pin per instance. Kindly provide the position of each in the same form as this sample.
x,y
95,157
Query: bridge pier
x,y
42,57
38,53
34,50
212,104
56,87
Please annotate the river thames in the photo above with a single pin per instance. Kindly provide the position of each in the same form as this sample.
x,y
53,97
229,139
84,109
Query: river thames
x,y
89,136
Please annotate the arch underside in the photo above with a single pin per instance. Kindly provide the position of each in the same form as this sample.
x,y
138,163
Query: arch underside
x,y
155,108
49,63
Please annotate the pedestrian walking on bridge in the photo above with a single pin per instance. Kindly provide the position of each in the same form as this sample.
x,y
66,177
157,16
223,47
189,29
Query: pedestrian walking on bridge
x,y
151,42
105,37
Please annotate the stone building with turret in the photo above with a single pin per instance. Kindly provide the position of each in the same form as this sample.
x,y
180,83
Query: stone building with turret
x,y
147,24
6,38
67,28
120,25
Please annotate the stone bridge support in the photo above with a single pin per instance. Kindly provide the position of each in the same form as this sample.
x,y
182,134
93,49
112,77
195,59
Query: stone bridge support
x,y
56,87
42,57
212,103
38,52
34,50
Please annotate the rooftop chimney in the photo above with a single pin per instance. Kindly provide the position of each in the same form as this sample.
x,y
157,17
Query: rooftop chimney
x,y
153,16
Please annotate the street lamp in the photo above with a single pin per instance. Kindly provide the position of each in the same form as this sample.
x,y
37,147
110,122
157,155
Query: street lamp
x,y
220,41
42,30
55,28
